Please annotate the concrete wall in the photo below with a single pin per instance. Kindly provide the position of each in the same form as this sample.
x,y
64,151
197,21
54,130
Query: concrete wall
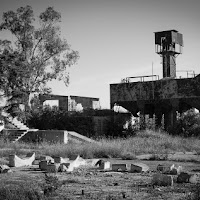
x,y
165,96
62,100
100,124
86,102
52,136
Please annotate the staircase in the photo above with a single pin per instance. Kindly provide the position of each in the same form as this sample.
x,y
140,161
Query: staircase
x,y
17,124
19,132
16,135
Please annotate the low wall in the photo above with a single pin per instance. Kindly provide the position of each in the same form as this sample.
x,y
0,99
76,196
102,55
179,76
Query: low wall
x,y
52,136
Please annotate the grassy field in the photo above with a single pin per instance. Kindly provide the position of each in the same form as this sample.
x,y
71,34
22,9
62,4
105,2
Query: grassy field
x,y
144,142
24,185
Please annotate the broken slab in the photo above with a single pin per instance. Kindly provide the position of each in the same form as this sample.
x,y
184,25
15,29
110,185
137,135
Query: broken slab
x,y
15,161
5,169
139,167
162,180
76,163
119,167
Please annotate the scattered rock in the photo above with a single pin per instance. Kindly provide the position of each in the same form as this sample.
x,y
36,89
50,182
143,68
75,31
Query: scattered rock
x,y
162,180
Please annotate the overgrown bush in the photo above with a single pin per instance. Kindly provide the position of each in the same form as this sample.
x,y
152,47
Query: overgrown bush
x,y
187,125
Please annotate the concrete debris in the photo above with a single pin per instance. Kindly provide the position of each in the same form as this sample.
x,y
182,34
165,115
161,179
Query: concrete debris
x,y
60,160
76,163
63,167
162,180
139,167
4,169
119,167
169,169
15,161
49,159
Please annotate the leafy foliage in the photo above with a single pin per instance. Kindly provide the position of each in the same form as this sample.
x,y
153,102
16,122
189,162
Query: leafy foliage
x,y
188,124
53,119
38,55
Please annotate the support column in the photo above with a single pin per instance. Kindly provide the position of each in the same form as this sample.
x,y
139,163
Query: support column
x,y
158,116
169,118
141,107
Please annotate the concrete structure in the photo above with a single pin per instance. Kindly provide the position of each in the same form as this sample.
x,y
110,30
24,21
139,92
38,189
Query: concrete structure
x,y
69,103
56,136
159,97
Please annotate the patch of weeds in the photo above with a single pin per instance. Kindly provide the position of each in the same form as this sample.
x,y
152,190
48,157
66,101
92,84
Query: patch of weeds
x,y
194,193
51,184
20,192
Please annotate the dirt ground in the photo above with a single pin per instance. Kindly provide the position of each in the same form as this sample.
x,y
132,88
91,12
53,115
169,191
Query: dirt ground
x,y
90,183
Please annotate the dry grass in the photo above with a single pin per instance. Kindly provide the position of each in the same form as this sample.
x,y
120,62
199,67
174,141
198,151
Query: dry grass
x,y
143,142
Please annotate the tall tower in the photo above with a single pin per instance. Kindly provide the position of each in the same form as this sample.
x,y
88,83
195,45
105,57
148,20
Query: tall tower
x,y
168,44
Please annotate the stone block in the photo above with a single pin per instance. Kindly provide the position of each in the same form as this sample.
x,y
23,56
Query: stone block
x,y
52,168
139,167
162,180
119,167
43,165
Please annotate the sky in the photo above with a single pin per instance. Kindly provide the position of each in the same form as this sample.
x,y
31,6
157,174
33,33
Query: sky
x,y
115,39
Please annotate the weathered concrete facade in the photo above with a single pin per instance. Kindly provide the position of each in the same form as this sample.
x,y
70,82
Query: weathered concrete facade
x,y
165,96
69,103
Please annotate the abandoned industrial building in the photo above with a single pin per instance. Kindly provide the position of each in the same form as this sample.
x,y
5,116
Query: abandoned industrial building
x,y
165,96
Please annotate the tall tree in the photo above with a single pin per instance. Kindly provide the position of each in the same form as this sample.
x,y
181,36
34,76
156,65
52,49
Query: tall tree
x,y
37,56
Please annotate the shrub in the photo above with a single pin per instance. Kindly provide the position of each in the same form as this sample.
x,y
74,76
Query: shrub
x,y
187,125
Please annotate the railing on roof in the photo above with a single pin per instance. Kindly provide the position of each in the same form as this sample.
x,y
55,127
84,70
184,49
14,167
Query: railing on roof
x,y
187,74
141,78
